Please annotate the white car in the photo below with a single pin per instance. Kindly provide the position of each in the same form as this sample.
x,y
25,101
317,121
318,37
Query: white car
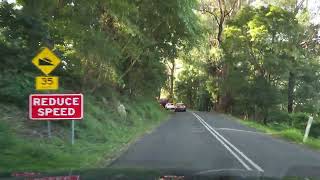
x,y
170,106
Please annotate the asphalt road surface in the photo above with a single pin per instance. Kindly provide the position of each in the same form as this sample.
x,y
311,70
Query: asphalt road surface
x,y
210,143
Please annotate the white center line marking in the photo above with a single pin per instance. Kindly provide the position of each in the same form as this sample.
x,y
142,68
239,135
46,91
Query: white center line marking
x,y
223,141
227,147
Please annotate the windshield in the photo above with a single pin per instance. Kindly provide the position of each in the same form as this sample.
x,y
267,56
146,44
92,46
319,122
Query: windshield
x,y
178,88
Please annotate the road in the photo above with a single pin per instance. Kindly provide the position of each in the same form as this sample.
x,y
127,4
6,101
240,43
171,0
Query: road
x,y
209,143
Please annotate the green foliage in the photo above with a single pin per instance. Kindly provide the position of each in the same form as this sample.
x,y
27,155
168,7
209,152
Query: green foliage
x,y
102,43
15,87
262,47
299,120
306,94
315,129
19,41
6,138
279,117
286,132
191,90
280,120
286,4
111,50
292,135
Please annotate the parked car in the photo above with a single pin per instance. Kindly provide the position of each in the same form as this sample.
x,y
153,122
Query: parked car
x,y
170,106
180,107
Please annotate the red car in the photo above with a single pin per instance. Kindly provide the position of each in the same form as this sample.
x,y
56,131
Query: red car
x,y
180,107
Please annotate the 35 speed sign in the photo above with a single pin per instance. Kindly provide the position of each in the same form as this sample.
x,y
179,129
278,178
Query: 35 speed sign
x,y
55,106
47,83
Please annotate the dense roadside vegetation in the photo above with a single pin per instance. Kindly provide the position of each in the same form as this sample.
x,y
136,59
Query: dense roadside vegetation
x,y
255,62
113,51
286,132
100,137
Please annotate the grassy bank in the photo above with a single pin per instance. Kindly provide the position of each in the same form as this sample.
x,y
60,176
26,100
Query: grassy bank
x,y
100,136
285,132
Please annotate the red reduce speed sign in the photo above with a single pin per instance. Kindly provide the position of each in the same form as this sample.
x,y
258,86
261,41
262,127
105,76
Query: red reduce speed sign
x,y
55,106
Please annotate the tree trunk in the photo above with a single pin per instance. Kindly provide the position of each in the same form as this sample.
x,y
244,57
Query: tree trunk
x,y
190,98
239,4
255,115
265,116
307,4
216,106
265,120
220,31
172,79
225,99
159,93
291,85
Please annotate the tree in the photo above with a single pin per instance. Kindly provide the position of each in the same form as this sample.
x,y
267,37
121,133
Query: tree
x,y
191,89
20,35
103,44
220,10
263,44
171,64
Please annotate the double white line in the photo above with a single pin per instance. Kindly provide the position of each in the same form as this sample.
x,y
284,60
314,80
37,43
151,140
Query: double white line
x,y
230,147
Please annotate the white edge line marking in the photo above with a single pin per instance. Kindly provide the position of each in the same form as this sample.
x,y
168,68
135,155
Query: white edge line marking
x,y
237,130
227,147
236,149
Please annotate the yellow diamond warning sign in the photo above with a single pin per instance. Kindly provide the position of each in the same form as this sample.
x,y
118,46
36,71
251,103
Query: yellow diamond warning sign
x,y
47,83
46,61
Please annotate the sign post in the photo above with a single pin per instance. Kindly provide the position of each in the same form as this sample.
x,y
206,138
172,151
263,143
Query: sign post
x,y
48,107
49,129
46,61
55,107
72,132
45,107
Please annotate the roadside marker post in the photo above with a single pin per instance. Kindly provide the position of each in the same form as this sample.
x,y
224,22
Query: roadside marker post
x,y
306,134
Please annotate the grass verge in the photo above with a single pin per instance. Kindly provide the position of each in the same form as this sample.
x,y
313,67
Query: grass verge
x,y
284,132
99,136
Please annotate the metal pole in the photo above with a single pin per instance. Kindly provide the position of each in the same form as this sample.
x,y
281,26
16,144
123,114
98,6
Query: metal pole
x,y
49,128
306,134
72,132
48,122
